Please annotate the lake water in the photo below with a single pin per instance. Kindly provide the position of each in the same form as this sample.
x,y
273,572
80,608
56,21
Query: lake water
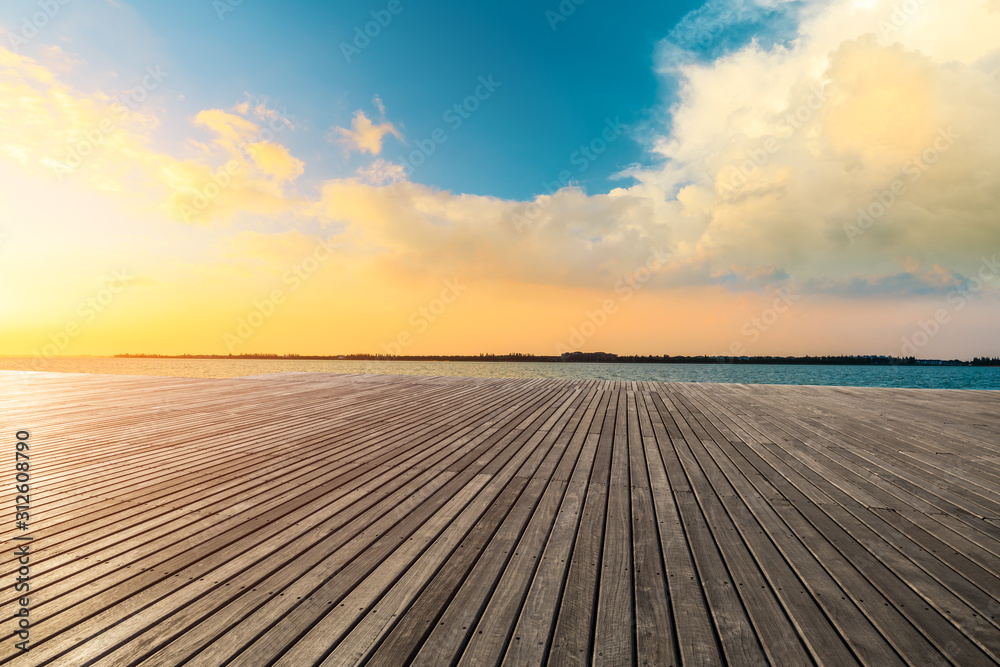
x,y
931,377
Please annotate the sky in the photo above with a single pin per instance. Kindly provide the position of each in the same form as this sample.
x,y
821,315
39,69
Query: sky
x,y
752,177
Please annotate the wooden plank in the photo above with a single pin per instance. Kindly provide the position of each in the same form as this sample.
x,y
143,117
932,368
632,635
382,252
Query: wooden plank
x,y
496,627
614,628
536,623
733,627
695,635
572,642
655,643
279,622
355,519
929,624
223,557
773,628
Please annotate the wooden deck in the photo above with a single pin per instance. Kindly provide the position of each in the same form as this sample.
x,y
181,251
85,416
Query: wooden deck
x,y
310,519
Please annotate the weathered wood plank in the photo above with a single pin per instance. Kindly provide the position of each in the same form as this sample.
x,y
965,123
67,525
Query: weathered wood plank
x,y
305,519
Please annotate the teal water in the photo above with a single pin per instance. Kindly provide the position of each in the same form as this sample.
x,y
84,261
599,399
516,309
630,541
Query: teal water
x,y
928,377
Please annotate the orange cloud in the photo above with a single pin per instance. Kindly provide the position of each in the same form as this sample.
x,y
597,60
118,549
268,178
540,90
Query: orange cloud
x,y
275,161
364,136
233,131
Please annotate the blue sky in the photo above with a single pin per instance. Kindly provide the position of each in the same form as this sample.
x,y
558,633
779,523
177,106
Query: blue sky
x,y
558,86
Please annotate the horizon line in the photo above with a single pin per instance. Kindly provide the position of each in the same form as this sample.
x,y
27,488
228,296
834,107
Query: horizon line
x,y
605,357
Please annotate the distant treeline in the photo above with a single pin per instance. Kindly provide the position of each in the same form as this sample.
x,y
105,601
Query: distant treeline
x,y
602,357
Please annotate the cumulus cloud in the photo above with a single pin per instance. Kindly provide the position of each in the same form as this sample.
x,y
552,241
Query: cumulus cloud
x,y
703,32
867,135
259,108
819,162
364,135
232,131
275,161
579,240
241,169
937,281
105,139
871,120
49,128
381,172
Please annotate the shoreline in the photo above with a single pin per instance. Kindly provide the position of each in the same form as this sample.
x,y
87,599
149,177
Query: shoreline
x,y
916,377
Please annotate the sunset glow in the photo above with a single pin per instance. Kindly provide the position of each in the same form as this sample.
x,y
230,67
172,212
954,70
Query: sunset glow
x,y
803,178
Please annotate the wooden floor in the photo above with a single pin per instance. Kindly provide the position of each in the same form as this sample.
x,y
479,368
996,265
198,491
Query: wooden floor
x,y
310,519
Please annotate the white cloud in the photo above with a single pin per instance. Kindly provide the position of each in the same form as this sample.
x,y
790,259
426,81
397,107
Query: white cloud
x,y
576,240
870,101
703,30
771,152
381,172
